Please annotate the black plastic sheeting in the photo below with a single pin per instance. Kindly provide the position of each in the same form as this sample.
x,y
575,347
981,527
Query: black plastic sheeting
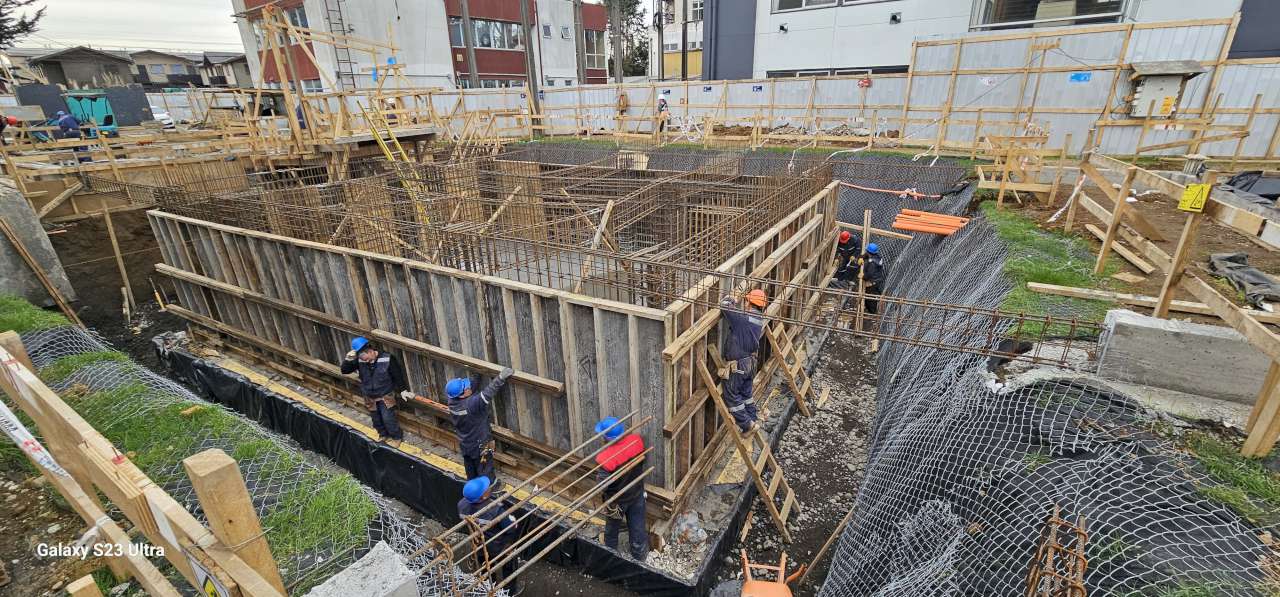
x,y
1258,287
1256,187
429,490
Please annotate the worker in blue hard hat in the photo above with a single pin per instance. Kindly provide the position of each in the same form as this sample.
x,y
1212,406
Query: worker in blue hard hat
x,y
68,126
871,271
470,414
628,502
476,495
381,379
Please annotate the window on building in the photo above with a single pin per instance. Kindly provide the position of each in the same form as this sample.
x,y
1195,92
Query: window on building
x,y
464,82
794,4
595,49
568,82
313,86
297,16
482,33
515,36
156,69
695,10
565,33
997,14
672,47
455,32
177,69
551,82
546,31
489,83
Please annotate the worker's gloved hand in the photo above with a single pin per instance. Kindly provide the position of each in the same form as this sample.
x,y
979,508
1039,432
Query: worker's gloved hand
x,y
351,355
506,373
406,395
728,301
612,511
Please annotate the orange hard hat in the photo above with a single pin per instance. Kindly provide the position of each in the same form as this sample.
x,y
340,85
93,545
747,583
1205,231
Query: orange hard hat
x,y
845,236
757,298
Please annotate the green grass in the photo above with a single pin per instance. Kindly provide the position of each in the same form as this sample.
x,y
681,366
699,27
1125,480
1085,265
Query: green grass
x,y
318,510
1035,460
20,316
1244,485
65,366
1112,550
1047,257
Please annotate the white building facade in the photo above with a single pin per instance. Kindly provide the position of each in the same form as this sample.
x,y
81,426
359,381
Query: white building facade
x,y
820,37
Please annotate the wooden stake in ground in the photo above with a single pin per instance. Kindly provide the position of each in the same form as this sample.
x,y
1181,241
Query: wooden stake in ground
x,y
1193,202
1116,215
216,479
131,302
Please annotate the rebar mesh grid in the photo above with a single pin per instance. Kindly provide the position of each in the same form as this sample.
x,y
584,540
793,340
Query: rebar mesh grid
x,y
121,395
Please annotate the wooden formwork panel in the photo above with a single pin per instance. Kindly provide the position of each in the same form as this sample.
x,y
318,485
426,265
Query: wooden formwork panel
x,y
310,298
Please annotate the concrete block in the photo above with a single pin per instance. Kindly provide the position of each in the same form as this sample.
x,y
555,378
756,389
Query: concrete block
x,y
15,276
380,573
1193,358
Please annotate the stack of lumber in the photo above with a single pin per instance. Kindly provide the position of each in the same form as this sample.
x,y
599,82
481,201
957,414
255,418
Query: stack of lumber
x,y
928,222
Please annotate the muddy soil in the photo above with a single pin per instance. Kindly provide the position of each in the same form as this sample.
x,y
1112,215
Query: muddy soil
x,y
823,457
85,250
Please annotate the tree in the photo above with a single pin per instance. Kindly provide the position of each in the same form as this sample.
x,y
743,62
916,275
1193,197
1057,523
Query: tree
x,y
636,61
14,27
626,24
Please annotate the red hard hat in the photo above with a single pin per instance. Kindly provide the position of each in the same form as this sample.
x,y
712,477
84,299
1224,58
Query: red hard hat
x,y
845,236
12,120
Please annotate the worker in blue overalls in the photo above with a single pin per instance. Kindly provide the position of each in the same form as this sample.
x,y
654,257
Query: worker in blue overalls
x,y
470,414
381,378
740,346
476,495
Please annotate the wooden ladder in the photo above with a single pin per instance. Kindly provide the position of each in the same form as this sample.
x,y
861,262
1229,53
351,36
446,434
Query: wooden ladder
x,y
762,465
793,368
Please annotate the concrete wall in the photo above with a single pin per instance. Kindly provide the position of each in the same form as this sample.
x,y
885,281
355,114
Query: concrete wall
x,y
85,71
15,276
860,35
1193,358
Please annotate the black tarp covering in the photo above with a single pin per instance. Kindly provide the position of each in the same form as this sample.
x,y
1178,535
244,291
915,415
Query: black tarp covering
x,y
1258,287
427,489
1259,187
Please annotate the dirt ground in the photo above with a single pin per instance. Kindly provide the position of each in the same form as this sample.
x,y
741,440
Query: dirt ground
x,y
85,250
1162,212
823,457
30,515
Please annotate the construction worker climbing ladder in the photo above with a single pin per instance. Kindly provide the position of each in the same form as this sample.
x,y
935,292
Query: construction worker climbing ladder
x,y
470,414
746,327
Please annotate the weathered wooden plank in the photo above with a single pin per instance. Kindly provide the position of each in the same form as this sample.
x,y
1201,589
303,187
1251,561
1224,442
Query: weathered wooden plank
x,y
585,368
520,317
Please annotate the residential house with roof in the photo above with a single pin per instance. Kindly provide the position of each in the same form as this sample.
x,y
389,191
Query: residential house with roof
x,y
225,69
156,70
82,66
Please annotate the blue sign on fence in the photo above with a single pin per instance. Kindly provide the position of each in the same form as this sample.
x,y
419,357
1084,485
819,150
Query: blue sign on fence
x,y
706,89
757,88
1081,77
666,92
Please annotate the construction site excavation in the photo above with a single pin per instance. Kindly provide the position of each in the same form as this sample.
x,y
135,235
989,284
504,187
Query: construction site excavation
x,y
998,322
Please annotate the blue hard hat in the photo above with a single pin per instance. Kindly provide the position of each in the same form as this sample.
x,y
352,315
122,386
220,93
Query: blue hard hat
x,y
61,113
475,488
611,428
359,342
873,248
456,387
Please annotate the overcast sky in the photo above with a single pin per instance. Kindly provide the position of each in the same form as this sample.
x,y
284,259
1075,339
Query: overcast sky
x,y
169,24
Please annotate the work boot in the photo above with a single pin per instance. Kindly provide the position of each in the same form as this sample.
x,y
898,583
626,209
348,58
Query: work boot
x,y
875,345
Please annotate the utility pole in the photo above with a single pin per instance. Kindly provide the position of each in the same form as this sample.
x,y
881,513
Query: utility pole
x,y
660,19
531,74
468,39
684,40
616,18
578,46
